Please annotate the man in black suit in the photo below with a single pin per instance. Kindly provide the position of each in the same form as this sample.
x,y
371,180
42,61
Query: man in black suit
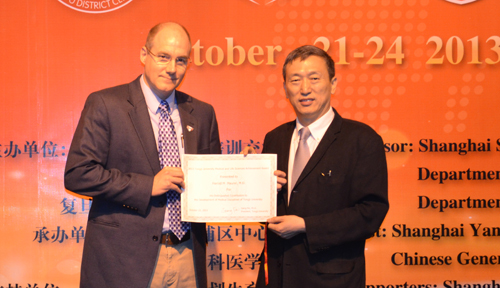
x,y
114,158
337,192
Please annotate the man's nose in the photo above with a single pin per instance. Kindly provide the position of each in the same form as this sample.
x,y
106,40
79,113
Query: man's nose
x,y
171,67
305,87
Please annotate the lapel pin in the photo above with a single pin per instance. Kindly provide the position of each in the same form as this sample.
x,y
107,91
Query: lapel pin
x,y
190,128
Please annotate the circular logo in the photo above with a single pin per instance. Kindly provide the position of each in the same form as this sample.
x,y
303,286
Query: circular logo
x,y
461,2
95,6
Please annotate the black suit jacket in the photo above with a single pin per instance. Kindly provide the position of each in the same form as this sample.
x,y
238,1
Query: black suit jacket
x,y
113,159
342,196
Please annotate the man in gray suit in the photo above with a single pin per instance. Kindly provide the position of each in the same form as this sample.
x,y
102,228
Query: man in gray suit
x,y
114,158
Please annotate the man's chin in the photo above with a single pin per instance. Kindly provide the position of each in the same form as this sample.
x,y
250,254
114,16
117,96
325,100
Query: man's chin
x,y
167,88
307,111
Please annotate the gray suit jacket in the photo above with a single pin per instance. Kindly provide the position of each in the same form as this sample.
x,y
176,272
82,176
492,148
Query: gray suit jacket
x,y
342,196
113,159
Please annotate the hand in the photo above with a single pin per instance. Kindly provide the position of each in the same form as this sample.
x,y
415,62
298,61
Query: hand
x,y
281,178
248,150
169,178
287,226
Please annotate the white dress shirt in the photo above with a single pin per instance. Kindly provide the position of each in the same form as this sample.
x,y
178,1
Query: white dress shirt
x,y
153,103
318,129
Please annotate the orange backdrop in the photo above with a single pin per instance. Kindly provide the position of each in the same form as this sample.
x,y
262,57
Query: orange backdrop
x,y
422,73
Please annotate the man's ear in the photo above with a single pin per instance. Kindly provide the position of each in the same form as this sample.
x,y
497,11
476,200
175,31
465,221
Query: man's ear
x,y
334,85
143,54
284,88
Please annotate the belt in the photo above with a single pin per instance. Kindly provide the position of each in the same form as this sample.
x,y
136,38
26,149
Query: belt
x,y
169,238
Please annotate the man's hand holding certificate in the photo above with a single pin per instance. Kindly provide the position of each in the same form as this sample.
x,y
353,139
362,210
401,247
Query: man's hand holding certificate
x,y
229,188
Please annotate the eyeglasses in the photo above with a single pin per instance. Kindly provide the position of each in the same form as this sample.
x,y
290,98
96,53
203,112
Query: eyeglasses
x,y
165,59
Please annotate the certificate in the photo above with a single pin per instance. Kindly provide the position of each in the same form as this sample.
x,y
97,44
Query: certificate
x,y
229,188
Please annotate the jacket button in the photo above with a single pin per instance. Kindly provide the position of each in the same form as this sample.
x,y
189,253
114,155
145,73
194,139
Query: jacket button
x,y
155,238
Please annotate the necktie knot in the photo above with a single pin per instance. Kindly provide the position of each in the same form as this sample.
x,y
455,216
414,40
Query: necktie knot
x,y
164,108
304,133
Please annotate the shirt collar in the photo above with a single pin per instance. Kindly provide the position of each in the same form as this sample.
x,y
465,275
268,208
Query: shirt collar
x,y
318,128
153,101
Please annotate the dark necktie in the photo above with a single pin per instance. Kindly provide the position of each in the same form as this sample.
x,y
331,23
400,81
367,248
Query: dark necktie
x,y
169,157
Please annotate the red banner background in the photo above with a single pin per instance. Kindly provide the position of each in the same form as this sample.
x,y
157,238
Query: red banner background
x,y
417,71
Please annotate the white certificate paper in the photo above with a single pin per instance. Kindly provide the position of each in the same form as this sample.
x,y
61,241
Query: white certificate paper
x,y
229,188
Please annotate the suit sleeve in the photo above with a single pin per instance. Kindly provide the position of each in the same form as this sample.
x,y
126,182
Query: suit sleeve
x,y
368,201
87,172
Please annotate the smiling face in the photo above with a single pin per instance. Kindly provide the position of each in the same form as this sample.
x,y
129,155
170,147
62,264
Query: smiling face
x,y
309,88
171,40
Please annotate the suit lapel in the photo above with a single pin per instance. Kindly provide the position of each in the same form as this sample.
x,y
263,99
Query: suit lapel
x,y
284,157
330,135
189,122
142,123
285,147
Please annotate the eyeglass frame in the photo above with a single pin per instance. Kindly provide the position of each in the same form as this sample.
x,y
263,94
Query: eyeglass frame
x,y
165,61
